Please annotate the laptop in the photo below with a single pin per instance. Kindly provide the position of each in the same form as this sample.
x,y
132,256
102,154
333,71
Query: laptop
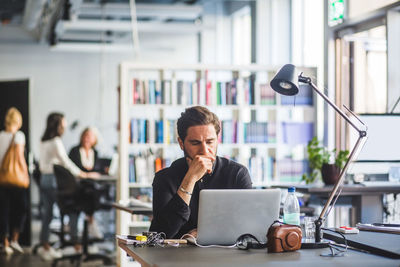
x,y
102,164
224,215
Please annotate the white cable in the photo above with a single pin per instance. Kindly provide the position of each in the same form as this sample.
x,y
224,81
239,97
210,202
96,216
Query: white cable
x,y
134,25
194,241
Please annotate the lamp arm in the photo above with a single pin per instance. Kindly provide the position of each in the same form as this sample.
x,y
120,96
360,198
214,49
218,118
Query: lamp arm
x,y
362,134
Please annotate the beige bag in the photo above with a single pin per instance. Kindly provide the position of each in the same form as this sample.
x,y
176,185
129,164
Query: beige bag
x,y
12,172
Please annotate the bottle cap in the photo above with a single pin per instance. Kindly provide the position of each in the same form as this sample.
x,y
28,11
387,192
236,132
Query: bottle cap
x,y
291,189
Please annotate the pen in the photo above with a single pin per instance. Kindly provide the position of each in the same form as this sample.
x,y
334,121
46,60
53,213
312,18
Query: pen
x,y
386,224
137,237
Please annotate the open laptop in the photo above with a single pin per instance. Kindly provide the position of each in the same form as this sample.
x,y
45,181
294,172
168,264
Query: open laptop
x,y
224,215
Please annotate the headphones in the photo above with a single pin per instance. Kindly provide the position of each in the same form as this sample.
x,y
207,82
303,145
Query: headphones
x,y
248,241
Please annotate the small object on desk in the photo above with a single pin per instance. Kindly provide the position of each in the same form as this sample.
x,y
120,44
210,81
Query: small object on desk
x,y
283,237
178,241
374,228
138,237
148,233
131,240
347,230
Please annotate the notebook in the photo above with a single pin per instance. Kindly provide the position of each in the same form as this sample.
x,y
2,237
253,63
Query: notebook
x,y
224,215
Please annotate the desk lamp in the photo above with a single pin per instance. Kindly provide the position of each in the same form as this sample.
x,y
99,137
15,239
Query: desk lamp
x,y
284,83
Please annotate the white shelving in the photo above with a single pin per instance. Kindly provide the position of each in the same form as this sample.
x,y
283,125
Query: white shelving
x,y
141,224
139,107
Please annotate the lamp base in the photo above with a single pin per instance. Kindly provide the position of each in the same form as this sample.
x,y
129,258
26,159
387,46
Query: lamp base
x,y
314,245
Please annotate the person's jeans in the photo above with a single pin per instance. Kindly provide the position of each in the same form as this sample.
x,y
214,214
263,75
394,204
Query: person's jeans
x,y
48,197
48,194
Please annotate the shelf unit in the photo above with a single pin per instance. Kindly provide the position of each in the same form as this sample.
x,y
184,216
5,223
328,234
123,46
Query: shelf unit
x,y
144,90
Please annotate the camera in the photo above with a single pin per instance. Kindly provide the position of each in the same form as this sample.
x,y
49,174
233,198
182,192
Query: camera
x,y
283,237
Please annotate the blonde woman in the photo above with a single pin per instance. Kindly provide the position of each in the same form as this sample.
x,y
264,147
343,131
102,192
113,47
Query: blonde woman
x,y
13,200
85,156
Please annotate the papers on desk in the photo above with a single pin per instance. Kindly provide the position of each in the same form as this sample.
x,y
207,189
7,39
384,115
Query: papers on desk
x,y
374,228
133,202
128,240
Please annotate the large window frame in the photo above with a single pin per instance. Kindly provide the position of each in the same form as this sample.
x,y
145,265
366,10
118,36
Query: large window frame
x,y
339,71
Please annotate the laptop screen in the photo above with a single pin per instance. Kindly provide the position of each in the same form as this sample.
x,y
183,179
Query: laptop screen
x,y
224,215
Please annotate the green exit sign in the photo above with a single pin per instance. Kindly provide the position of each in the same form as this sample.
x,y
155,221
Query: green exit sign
x,y
336,12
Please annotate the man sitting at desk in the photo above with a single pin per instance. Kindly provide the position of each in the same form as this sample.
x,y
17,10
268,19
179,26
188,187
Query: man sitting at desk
x,y
176,188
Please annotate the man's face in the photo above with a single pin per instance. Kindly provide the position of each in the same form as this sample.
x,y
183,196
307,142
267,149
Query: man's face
x,y
200,140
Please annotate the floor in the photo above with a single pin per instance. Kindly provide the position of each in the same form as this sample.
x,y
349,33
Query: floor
x,y
29,259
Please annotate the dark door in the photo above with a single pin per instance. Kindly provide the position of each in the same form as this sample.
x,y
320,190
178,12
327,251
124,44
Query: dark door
x,y
16,94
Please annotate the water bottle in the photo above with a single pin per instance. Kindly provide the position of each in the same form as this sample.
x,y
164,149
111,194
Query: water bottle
x,y
291,208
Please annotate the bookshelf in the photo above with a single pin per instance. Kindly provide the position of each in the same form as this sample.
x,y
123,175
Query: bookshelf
x,y
260,129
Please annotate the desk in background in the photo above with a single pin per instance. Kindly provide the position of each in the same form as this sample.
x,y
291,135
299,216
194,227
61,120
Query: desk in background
x,y
134,209
189,255
367,200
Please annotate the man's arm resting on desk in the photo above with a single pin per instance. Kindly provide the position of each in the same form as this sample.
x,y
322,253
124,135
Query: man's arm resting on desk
x,y
169,217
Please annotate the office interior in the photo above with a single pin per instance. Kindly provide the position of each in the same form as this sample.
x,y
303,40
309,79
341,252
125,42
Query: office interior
x,y
84,57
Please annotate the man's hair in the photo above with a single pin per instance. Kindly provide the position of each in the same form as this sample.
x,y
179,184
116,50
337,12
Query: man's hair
x,y
13,117
195,116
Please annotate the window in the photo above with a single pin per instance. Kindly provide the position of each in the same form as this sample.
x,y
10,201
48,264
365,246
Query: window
x,y
368,70
241,32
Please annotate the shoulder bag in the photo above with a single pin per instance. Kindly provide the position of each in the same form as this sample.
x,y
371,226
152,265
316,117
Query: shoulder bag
x,y
12,172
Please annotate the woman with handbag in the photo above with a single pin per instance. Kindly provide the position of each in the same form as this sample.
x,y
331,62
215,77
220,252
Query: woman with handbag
x,y
52,152
14,180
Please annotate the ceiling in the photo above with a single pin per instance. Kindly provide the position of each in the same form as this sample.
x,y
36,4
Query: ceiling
x,y
90,23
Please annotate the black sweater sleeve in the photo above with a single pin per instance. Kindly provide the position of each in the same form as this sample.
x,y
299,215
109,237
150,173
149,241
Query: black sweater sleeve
x,y
170,212
243,179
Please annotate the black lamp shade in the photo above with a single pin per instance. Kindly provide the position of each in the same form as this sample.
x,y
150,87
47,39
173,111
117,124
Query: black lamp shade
x,y
285,81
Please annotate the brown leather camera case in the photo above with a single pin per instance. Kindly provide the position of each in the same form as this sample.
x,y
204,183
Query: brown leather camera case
x,y
284,237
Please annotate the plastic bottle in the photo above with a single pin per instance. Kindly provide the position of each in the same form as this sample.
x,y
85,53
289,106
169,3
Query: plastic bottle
x,y
291,208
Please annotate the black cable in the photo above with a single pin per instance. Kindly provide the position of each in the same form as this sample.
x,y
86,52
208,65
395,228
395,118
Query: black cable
x,y
155,239
334,249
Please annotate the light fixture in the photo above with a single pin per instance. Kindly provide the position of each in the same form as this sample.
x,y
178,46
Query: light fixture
x,y
284,83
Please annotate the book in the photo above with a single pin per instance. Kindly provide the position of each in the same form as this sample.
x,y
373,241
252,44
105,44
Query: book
x,y
374,228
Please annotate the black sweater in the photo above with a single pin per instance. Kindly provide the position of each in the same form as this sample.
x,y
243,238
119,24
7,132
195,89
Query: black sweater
x,y
75,156
171,214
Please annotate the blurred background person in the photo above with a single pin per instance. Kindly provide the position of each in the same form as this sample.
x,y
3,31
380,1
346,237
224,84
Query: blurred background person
x,y
85,156
52,152
13,200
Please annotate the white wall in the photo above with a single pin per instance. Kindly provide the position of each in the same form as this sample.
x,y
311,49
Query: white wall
x,y
70,82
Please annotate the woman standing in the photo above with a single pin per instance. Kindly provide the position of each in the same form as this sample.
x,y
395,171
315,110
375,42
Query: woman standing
x,y
52,152
13,200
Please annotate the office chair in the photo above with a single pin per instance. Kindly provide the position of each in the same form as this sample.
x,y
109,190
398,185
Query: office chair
x,y
68,190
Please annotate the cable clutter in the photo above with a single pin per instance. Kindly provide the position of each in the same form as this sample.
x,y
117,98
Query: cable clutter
x,y
281,238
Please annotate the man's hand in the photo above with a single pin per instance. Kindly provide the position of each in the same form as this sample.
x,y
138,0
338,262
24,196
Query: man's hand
x,y
193,232
199,166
